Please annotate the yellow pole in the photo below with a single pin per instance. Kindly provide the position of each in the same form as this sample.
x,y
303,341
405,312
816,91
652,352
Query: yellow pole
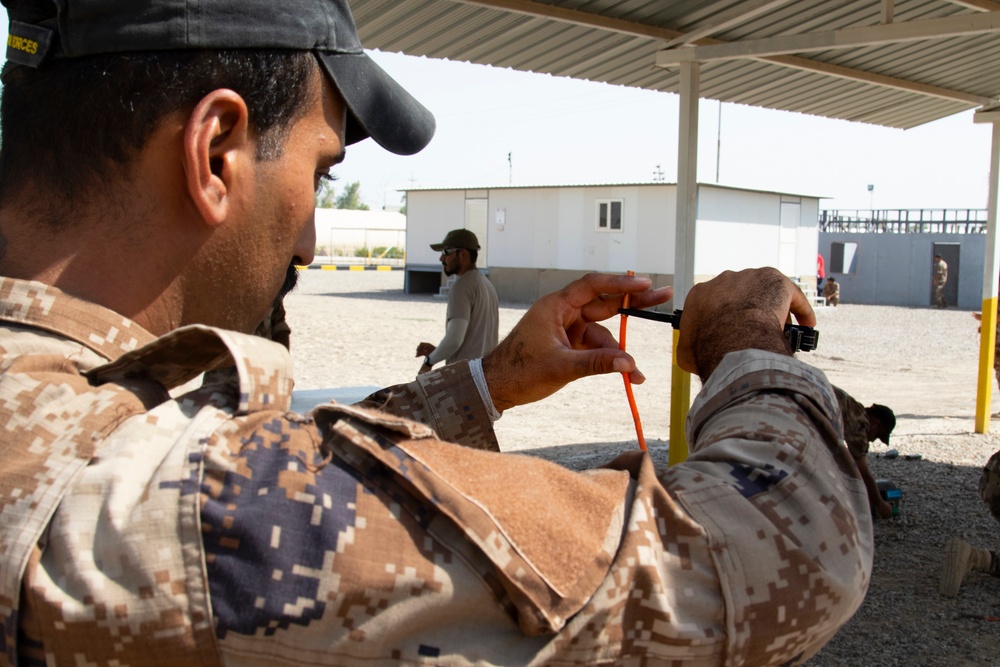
x,y
984,386
680,402
991,274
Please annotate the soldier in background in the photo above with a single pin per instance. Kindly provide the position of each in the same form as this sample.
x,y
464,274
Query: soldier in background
x,y
862,426
939,280
961,558
831,291
472,321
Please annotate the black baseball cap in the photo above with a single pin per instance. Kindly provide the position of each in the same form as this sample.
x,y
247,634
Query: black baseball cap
x,y
458,238
378,107
886,416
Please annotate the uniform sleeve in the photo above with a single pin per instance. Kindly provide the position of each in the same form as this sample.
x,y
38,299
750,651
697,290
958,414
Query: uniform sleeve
x,y
783,509
445,399
362,537
454,336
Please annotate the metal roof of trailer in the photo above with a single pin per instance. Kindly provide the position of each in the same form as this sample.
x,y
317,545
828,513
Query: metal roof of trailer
x,y
550,186
896,63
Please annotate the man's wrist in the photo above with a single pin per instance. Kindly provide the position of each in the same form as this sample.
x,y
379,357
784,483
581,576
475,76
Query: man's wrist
x,y
747,330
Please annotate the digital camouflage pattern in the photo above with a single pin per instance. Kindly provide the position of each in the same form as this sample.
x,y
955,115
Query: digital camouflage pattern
x,y
939,280
272,327
831,292
216,528
989,485
855,424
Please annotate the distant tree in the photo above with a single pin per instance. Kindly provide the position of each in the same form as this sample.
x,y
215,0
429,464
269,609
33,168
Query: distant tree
x,y
325,197
350,198
403,208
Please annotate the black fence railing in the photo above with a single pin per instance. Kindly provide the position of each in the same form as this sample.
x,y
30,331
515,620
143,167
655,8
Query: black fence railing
x,y
905,221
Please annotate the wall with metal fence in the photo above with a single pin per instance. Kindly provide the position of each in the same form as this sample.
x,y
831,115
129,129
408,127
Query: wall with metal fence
x,y
885,257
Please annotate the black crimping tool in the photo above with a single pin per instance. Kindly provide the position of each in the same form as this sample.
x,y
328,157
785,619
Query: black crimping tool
x,y
800,337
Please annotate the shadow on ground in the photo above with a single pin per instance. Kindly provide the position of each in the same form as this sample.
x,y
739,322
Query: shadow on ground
x,y
399,295
589,455
904,620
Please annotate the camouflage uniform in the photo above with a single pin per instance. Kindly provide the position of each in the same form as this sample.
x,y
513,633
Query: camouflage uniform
x,y
215,527
855,424
271,327
960,557
831,292
940,280
989,485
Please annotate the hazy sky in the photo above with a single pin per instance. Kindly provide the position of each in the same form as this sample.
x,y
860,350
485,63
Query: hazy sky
x,y
559,131
566,131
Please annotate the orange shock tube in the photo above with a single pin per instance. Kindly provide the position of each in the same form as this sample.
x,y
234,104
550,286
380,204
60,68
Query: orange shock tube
x,y
628,382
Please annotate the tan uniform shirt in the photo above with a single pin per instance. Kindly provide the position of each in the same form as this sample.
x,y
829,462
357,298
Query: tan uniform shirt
x,y
831,290
473,298
940,272
218,528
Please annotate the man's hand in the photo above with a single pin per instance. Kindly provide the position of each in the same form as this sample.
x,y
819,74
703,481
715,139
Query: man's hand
x,y
882,509
424,349
557,340
738,311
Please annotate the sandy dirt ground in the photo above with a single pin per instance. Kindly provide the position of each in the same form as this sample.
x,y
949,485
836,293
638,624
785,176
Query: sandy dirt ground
x,y
360,329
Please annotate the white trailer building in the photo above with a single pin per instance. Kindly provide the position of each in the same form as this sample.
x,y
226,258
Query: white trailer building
x,y
537,239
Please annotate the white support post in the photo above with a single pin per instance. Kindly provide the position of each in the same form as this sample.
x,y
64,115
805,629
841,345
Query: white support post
x,y
991,276
888,11
687,212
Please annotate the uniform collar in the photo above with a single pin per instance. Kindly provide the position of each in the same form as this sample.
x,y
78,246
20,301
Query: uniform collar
x,y
35,304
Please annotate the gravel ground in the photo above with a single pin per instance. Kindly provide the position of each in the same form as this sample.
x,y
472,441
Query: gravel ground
x,y
359,329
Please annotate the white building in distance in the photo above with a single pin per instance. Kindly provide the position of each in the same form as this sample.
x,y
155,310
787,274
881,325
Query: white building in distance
x,y
341,232
537,239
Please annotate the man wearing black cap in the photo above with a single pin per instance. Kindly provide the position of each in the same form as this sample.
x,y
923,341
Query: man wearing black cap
x,y
158,161
473,317
861,426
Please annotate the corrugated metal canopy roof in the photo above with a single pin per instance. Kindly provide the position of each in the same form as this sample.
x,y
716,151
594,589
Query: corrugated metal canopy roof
x,y
867,61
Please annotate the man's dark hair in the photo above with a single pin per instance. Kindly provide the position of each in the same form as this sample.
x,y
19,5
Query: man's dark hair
x,y
65,125
885,415
473,255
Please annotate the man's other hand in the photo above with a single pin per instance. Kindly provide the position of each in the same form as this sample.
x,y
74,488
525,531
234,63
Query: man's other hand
x,y
738,311
558,341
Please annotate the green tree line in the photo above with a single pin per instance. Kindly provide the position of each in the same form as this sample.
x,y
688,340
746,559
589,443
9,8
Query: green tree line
x,y
349,197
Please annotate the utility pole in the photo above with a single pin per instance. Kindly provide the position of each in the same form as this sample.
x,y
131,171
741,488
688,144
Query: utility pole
x,y
510,169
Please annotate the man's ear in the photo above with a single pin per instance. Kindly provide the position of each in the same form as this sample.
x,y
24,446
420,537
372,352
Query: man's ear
x,y
218,153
